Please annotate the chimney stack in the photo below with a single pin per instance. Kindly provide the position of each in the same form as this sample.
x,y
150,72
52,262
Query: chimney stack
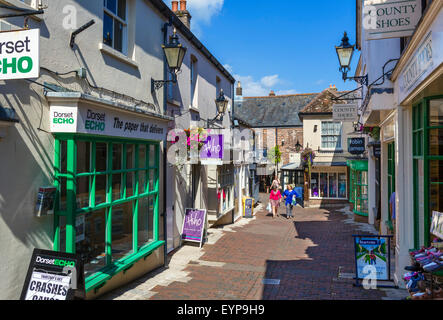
x,y
183,14
272,93
174,6
239,91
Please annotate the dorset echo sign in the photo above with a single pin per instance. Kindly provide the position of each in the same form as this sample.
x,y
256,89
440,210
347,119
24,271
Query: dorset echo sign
x,y
20,54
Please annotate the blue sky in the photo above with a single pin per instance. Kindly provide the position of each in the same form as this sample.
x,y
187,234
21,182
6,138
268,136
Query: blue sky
x,y
283,45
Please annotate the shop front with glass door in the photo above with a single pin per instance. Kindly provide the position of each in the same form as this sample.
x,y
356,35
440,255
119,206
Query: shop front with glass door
x,y
107,175
358,180
107,209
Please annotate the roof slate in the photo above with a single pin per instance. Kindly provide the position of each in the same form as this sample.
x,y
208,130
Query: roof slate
x,y
273,111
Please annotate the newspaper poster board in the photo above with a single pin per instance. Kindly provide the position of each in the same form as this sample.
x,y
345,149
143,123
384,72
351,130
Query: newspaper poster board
x,y
372,258
54,276
194,224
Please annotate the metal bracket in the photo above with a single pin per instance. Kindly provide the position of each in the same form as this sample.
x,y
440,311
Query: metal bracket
x,y
81,29
22,12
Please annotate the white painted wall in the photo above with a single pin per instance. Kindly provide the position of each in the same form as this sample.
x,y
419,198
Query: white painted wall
x,y
26,154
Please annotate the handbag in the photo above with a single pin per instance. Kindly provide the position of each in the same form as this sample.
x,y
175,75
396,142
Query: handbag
x,y
269,208
294,201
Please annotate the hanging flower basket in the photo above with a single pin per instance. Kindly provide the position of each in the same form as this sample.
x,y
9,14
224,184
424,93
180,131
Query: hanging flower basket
x,y
373,132
195,140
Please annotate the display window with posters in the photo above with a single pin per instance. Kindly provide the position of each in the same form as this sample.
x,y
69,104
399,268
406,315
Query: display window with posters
x,y
107,208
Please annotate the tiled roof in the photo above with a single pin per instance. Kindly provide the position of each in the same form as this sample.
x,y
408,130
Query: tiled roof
x,y
273,111
323,103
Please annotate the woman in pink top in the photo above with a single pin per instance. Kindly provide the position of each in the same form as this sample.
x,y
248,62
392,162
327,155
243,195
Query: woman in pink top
x,y
274,198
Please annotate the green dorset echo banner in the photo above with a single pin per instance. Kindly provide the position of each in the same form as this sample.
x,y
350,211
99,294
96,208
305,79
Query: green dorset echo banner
x,y
106,122
20,54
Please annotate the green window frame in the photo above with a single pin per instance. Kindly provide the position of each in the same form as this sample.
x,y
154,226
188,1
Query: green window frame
x,y
67,176
421,133
359,186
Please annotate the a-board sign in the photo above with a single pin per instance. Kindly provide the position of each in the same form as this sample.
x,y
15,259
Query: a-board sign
x,y
54,276
194,225
437,224
248,209
356,145
20,54
372,257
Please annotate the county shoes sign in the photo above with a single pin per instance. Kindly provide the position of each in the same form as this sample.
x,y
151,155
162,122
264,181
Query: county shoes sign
x,y
384,19
20,54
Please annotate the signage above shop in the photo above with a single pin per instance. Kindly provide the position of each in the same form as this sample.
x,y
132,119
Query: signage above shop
x,y
345,112
101,121
419,64
356,146
213,149
20,54
390,18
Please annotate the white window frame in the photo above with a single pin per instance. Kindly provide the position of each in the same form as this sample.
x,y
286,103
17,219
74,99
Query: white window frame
x,y
340,139
193,82
319,172
114,17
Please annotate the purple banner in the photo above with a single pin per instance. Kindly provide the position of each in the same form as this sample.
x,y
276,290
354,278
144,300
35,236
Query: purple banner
x,y
213,148
193,225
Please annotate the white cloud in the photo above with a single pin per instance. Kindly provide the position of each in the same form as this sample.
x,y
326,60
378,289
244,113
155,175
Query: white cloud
x,y
269,81
202,12
259,88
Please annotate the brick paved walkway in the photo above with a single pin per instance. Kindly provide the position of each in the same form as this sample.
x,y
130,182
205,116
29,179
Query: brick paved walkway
x,y
305,254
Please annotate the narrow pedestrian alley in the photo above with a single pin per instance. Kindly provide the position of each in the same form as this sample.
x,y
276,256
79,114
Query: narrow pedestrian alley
x,y
308,257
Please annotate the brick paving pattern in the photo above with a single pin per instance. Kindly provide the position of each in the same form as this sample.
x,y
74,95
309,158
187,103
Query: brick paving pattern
x,y
305,254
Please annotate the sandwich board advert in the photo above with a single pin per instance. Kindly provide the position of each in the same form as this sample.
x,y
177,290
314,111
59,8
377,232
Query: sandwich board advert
x,y
193,225
54,276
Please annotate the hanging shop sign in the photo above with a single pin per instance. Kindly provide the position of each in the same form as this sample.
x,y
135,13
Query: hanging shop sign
x,y
101,121
356,146
54,276
193,225
212,151
437,224
383,19
372,257
344,112
20,54
376,151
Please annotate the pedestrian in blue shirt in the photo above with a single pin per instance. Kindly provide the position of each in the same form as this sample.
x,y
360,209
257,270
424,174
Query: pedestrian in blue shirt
x,y
289,195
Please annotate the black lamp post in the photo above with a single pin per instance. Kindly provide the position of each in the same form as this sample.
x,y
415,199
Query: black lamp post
x,y
298,146
174,53
345,53
222,105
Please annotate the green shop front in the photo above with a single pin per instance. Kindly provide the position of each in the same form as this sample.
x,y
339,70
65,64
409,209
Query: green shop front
x,y
358,181
107,168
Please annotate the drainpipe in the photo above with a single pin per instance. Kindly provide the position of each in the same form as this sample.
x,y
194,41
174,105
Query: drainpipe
x,y
165,158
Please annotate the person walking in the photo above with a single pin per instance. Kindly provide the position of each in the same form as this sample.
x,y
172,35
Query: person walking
x,y
274,199
276,182
289,195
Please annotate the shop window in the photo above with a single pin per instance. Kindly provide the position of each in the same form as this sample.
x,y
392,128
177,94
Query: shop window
x,y
91,240
331,133
436,113
226,191
115,25
109,183
328,185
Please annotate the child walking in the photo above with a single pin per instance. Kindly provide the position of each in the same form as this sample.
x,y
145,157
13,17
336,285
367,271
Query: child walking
x,y
274,199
